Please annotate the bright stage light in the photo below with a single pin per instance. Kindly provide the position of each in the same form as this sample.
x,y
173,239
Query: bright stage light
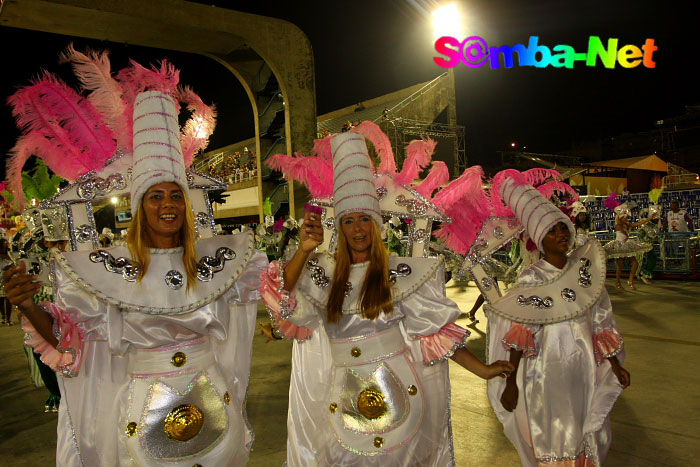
x,y
447,22
114,200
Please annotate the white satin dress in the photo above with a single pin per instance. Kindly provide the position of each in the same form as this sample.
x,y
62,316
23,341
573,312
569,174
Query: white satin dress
x,y
566,387
398,360
163,385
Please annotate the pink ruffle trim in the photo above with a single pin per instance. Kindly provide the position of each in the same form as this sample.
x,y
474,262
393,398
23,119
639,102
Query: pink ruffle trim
x,y
606,344
66,358
520,338
443,344
280,304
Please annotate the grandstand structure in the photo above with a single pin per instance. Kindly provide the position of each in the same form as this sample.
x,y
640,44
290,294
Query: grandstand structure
x,y
425,109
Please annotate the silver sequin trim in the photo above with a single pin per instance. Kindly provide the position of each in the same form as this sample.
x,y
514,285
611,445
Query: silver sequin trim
x,y
123,266
207,266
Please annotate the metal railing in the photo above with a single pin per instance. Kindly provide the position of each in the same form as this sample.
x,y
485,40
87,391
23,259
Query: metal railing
x,y
680,180
413,97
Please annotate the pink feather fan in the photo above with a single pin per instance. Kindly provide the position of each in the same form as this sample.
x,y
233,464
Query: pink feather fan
x,y
93,70
59,126
465,201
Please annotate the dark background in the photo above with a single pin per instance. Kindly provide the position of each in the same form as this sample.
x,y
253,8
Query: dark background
x,y
364,49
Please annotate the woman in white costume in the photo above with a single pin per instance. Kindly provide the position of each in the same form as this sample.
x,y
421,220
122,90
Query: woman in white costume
x,y
153,341
558,330
581,221
370,384
623,246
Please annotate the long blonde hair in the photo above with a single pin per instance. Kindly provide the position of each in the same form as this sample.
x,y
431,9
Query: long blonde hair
x,y
139,243
375,295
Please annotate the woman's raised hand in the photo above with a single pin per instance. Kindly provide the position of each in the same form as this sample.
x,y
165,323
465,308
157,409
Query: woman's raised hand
x,y
311,234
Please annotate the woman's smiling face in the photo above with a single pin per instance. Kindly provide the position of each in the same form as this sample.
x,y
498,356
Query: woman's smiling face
x,y
357,228
164,206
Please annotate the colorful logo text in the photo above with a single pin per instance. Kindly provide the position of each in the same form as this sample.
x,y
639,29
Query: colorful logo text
x,y
474,52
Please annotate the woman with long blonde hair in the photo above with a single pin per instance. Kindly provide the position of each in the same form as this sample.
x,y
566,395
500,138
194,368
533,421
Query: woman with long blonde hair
x,y
152,341
370,383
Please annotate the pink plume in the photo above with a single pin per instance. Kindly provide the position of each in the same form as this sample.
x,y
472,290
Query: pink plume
x,y
93,70
322,148
79,139
538,176
419,152
465,201
381,143
438,176
196,132
499,207
314,172
135,79
548,189
611,201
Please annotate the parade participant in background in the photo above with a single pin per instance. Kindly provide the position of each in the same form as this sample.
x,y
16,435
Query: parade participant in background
x,y
370,385
649,233
557,328
677,220
5,262
582,223
153,341
624,247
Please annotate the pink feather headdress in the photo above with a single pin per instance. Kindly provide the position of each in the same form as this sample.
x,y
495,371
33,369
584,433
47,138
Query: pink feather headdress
x,y
316,171
611,201
74,134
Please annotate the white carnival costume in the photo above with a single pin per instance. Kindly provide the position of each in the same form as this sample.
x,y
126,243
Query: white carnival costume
x,y
368,392
152,374
562,321
623,246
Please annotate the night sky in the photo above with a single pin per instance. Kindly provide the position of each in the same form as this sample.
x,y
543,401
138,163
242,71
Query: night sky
x,y
368,48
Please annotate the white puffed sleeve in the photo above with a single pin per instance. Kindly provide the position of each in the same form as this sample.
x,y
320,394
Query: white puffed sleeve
x,y
430,317
607,341
77,317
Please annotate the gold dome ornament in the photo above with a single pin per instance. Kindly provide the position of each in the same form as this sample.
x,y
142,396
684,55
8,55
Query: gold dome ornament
x,y
412,390
355,352
371,404
183,423
131,429
378,442
333,407
227,398
179,359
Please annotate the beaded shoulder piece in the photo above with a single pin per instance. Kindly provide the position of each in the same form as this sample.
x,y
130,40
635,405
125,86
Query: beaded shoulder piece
x,y
573,292
110,274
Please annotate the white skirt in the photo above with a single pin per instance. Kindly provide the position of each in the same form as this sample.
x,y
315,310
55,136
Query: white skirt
x,y
626,249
